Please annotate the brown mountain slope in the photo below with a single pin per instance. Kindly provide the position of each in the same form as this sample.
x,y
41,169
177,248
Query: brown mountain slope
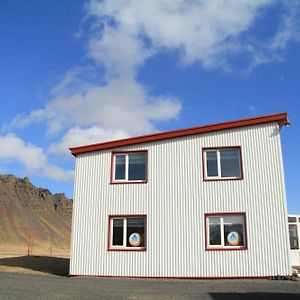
x,y
33,218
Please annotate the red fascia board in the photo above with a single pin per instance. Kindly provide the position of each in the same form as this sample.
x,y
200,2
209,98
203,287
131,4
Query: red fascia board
x,y
281,118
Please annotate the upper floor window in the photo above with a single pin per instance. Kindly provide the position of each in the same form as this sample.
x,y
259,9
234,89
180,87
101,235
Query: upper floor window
x,y
222,163
129,167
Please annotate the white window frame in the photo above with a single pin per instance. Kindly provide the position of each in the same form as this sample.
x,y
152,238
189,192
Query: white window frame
x,y
126,179
222,246
124,246
218,150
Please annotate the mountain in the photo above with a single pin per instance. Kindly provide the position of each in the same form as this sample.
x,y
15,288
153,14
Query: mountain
x,y
33,220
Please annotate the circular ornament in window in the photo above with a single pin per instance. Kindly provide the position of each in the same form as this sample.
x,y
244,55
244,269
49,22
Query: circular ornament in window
x,y
135,239
233,238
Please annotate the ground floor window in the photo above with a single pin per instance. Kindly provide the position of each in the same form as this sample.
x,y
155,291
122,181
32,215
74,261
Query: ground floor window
x,y
127,232
293,237
293,232
225,231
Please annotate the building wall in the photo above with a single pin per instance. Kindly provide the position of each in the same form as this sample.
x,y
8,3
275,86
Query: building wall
x,y
175,200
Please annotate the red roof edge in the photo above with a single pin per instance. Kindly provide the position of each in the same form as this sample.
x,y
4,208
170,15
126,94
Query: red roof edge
x,y
281,118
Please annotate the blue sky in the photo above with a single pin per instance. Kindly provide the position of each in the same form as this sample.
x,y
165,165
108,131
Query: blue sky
x,y
79,72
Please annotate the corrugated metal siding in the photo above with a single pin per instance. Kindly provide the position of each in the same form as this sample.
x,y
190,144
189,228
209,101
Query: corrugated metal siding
x,y
175,200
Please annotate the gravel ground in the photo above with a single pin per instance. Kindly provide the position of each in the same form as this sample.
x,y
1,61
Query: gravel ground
x,y
21,286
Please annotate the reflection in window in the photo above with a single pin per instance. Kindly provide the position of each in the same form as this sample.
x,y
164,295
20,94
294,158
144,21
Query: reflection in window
x,y
292,219
137,166
118,232
120,167
131,166
294,242
214,231
135,226
230,163
212,163
223,163
127,232
226,231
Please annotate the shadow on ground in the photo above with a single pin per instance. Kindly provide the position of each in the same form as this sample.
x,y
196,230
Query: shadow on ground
x,y
45,264
254,296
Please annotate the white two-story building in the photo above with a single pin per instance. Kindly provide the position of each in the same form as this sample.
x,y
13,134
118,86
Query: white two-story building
x,y
203,202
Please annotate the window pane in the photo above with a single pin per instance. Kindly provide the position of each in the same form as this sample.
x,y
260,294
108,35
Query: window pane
x,y
211,163
230,163
118,232
293,236
135,232
292,219
137,166
234,230
234,235
120,167
214,231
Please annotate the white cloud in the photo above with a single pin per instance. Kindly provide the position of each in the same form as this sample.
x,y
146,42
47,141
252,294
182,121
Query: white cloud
x,y
78,136
120,52
123,35
34,159
121,104
289,29
200,31
203,31
252,109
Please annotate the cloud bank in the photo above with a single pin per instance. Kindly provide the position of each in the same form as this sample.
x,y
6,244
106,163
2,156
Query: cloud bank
x,y
121,37
12,148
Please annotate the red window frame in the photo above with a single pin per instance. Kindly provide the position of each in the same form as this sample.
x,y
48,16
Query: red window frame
x,y
112,168
110,247
224,248
204,173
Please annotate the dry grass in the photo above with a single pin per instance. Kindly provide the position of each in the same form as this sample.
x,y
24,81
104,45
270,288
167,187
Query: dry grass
x,y
15,251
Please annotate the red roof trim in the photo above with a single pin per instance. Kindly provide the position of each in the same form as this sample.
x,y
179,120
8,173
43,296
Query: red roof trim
x,y
280,118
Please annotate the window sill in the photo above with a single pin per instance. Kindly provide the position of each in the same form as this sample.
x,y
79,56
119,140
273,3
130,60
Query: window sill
x,y
222,179
127,249
227,249
129,182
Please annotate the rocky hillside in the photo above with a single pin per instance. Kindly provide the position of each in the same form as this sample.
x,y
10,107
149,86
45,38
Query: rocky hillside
x,y
33,218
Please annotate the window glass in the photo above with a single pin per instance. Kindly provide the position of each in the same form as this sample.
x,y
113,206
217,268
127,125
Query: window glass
x,y
233,230
120,167
211,163
230,163
233,235
292,219
214,231
227,231
127,233
118,228
135,232
137,166
294,242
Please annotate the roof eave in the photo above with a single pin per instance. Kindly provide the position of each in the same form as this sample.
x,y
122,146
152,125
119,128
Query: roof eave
x,y
281,118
